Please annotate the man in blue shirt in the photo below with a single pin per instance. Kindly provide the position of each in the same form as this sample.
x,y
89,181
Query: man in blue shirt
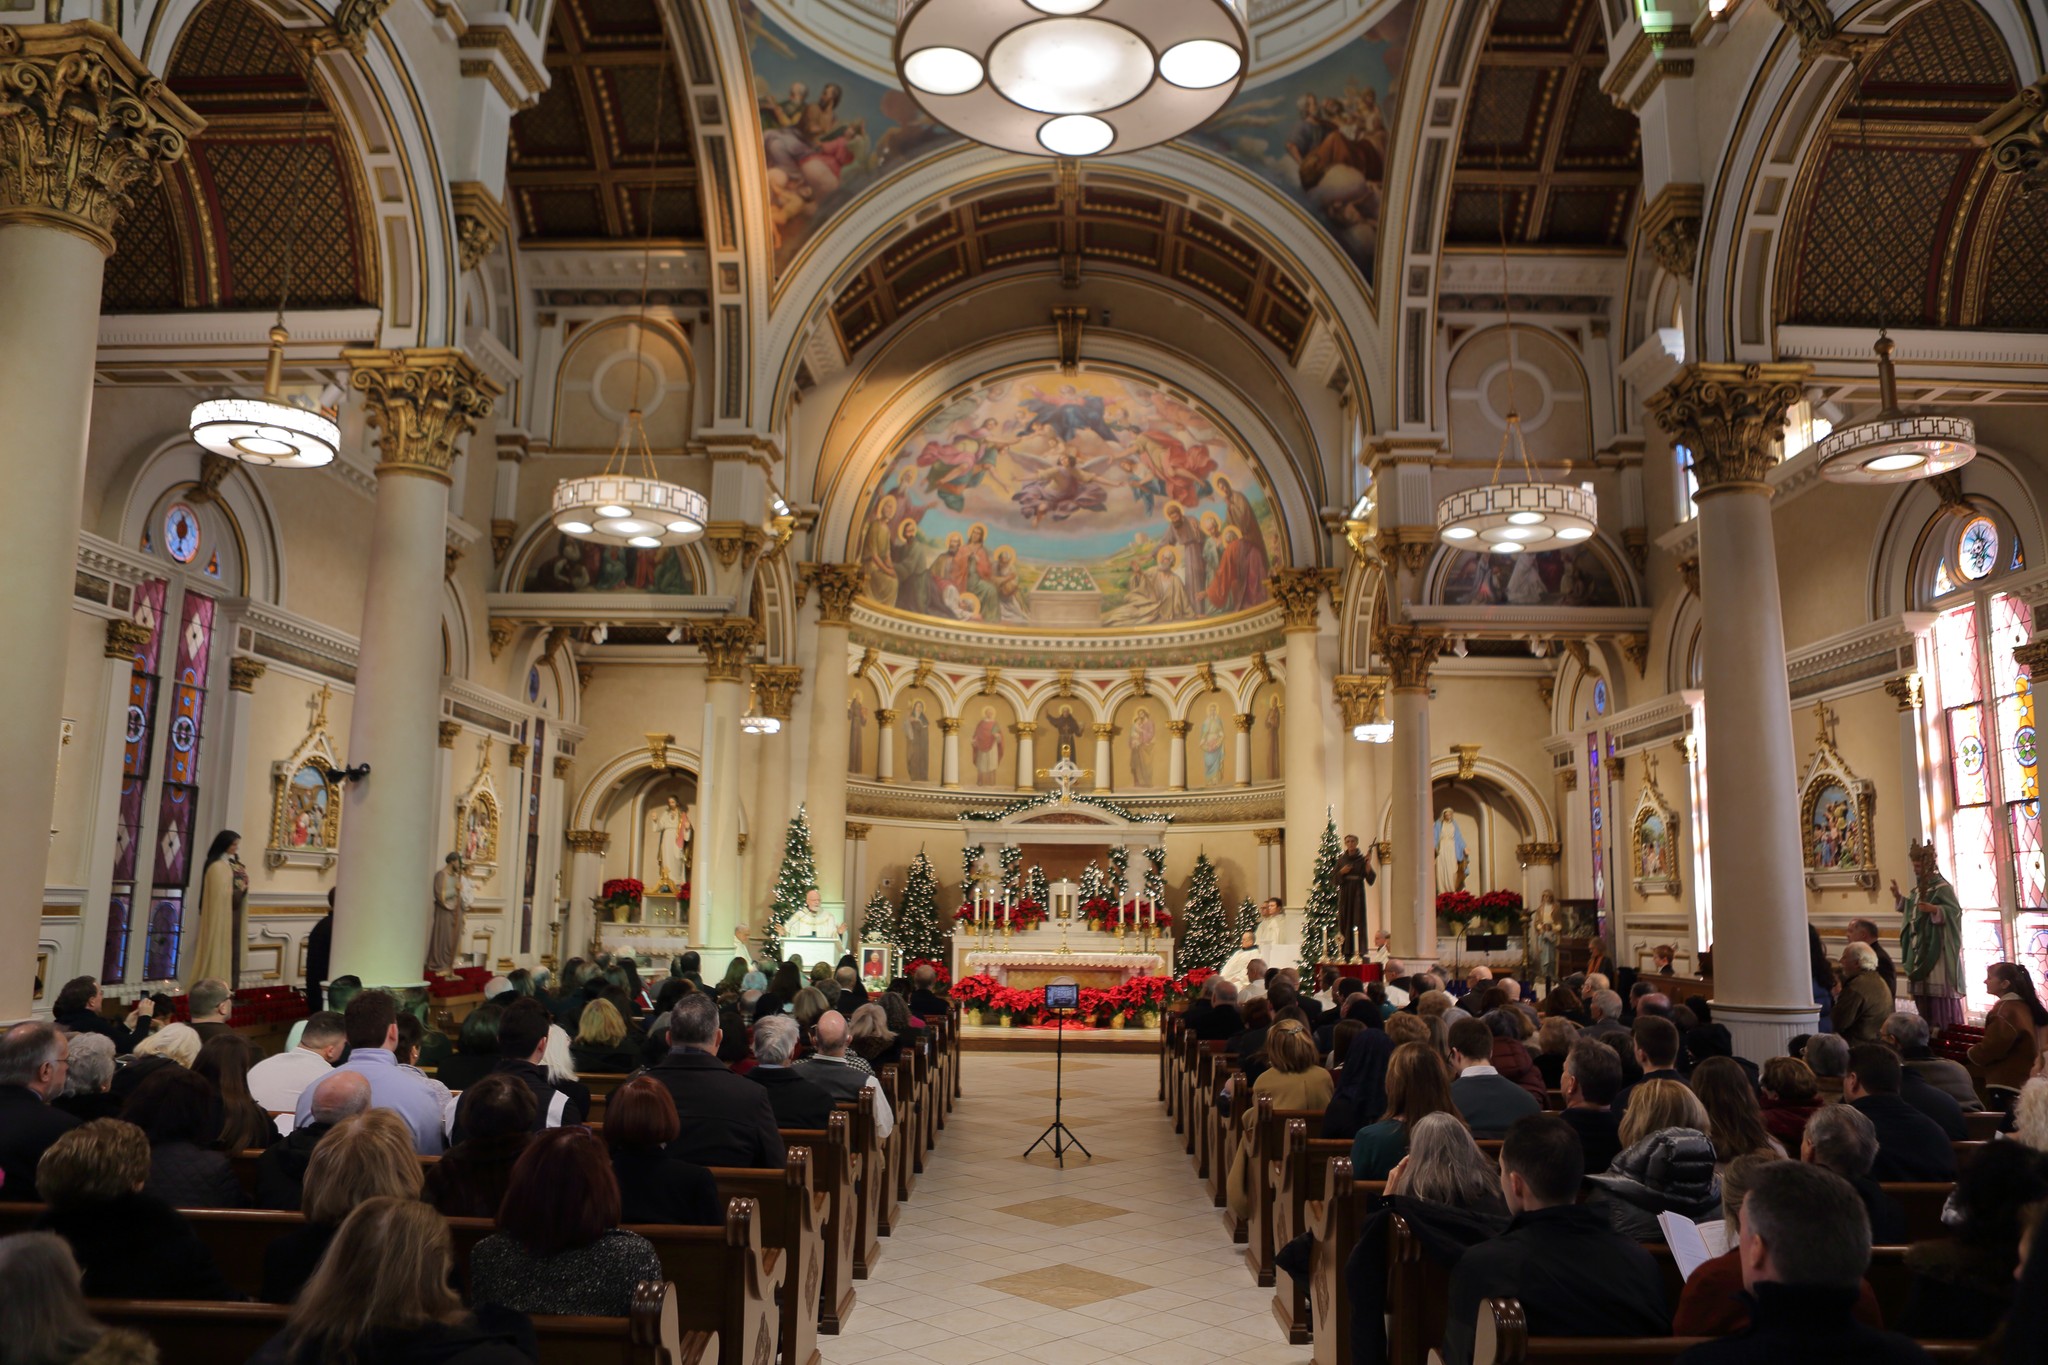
x,y
371,1022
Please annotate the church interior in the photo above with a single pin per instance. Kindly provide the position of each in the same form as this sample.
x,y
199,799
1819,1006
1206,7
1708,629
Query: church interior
x,y
555,481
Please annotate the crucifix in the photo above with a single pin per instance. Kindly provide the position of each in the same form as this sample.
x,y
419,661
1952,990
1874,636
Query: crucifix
x,y
1825,720
1065,774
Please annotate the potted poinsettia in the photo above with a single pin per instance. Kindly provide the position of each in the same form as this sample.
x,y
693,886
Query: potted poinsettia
x,y
974,993
619,899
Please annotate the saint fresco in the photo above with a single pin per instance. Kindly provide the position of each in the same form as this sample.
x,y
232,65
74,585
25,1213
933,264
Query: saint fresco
x,y
585,566
1068,501
1551,578
1324,134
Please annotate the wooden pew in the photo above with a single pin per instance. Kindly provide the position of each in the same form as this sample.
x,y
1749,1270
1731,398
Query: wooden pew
x,y
600,1084
832,1165
1303,1163
895,1173
1983,1127
1502,1338
1217,1141
1267,1137
792,1217
1335,1221
215,1333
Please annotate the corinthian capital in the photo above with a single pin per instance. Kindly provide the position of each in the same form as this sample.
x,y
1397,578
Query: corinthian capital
x,y
421,403
725,643
1297,591
1727,415
777,685
1409,653
837,585
83,125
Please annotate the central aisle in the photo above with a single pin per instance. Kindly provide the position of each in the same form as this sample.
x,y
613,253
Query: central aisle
x,y
1121,1258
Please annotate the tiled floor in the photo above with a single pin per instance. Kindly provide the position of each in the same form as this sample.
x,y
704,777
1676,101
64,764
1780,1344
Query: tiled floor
x,y
1120,1258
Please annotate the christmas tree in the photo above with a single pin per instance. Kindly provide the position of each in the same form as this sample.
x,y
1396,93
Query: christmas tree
x,y
1247,922
1092,883
1117,882
1012,865
918,934
1206,939
1320,939
1155,879
799,876
878,922
1037,889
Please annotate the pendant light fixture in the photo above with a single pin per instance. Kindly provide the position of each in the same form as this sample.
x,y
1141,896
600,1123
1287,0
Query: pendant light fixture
x,y
755,722
268,430
1509,518
629,503
1894,444
1378,730
1071,77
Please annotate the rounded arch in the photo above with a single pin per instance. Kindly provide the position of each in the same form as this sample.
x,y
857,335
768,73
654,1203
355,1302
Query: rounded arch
x,y
455,631
1906,544
1534,812
605,370
593,802
1530,371
537,545
1599,576
178,464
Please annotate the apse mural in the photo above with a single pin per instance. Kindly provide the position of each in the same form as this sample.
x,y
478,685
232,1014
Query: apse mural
x,y
1324,133
1552,578
584,566
825,132
1068,502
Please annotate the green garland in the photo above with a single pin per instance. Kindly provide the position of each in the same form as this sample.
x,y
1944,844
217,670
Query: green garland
x,y
1043,799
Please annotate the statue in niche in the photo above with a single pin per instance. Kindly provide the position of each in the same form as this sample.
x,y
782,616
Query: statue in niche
x,y
669,838
1453,862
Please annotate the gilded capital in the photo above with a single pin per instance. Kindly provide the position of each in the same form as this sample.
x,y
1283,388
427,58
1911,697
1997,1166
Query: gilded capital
x,y
1179,728
563,763
1298,592
83,127
480,221
1544,854
1243,721
837,585
1727,415
725,643
449,730
1103,729
2017,134
1409,653
421,403
857,831
126,639
1025,729
1357,695
2032,656
949,725
588,840
776,685
518,755
885,717
243,673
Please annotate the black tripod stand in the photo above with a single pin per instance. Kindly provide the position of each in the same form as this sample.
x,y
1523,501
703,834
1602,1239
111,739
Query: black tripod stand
x,y
1058,1136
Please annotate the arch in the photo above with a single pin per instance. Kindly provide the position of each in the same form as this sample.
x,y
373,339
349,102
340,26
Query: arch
x,y
1899,571
1535,813
1468,578
1495,367
536,545
179,463
455,630
590,803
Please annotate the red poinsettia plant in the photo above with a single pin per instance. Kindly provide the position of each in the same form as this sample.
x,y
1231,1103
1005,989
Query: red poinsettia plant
x,y
1022,915
1501,903
1144,992
974,992
1191,983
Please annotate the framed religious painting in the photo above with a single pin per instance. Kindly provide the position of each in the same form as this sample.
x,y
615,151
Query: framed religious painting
x,y
1834,819
1653,839
305,806
477,819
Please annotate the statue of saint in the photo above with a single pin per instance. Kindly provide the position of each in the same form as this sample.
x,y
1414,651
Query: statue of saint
x,y
453,895
669,838
1452,862
1545,923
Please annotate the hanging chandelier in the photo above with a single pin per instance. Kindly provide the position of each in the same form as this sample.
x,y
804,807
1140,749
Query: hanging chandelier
x,y
1896,444
629,503
755,722
1071,77
268,430
1378,730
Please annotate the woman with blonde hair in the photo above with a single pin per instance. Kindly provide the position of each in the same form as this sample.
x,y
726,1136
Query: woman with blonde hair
x,y
1295,1078
1418,1085
870,1038
811,1003
366,1157
173,1045
600,1044
1666,1163
383,1298
46,1319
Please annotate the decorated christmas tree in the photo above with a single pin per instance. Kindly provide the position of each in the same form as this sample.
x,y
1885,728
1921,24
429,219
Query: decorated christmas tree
x,y
1037,889
1320,939
1155,879
1206,939
1247,922
918,934
1012,865
1117,881
878,922
799,876
1092,883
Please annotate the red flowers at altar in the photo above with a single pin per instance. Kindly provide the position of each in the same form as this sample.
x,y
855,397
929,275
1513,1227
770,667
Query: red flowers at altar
x,y
625,888
461,981
1098,1007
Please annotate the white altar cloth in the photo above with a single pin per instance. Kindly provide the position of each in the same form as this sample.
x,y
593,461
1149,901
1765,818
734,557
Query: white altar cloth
x,y
998,963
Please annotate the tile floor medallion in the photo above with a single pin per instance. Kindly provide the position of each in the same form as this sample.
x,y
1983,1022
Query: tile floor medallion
x,y
1118,1259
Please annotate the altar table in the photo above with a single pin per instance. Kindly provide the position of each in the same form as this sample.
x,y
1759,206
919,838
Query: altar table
x,y
1028,969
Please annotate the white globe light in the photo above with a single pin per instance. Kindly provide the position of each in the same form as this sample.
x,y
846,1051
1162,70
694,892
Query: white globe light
x,y
265,431
684,528
1063,6
577,528
644,543
1460,533
1070,66
1200,63
1076,135
1507,547
1574,533
942,70
612,509
1526,518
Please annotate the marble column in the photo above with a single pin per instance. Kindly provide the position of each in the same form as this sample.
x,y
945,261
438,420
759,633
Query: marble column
x,y
1271,850
885,744
1177,754
775,687
949,751
1906,691
587,848
1027,753
1305,799
1243,752
825,789
1105,733
1409,654
718,898
84,127
422,403
1727,415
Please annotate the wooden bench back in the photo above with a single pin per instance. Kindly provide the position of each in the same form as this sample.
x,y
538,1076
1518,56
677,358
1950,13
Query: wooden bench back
x,y
1502,1338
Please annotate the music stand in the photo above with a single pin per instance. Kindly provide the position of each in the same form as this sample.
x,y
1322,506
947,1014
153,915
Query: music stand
x,y
1060,999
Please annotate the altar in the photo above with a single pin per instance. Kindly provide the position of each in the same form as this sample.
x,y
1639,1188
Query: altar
x,y
1033,957
660,927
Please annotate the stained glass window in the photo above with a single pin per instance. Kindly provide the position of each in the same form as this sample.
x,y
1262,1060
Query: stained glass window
x,y
2030,943
534,770
1976,857
1966,749
2029,873
139,738
179,799
1983,944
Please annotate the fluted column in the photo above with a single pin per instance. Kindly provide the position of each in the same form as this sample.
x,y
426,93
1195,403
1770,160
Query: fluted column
x,y
586,877
1727,415
718,898
775,686
885,744
1105,733
1177,754
1305,799
1409,654
825,791
1027,753
84,127
1243,747
422,403
949,751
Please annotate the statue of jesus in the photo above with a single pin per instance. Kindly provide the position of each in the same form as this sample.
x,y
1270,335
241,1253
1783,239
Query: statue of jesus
x,y
670,839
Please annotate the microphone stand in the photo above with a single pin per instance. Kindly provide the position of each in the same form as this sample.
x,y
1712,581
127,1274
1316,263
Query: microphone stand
x,y
1057,1135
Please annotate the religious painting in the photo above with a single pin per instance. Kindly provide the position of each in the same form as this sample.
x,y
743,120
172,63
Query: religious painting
x,y
863,729
1578,577
1835,818
572,565
826,133
477,820
1212,744
918,739
1139,750
1068,502
1653,839
305,807
988,743
1065,725
1324,134
1269,733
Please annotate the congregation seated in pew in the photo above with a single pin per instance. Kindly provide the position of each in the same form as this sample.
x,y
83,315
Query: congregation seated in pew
x,y
559,1248
469,1181
92,1179
726,1119
655,1185
366,1157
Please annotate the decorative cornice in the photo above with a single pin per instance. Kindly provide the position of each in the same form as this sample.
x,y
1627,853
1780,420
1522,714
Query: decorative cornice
x,y
422,403
125,638
1728,415
725,644
777,685
243,673
499,41
1538,853
837,585
588,840
480,220
84,125
2017,135
1409,653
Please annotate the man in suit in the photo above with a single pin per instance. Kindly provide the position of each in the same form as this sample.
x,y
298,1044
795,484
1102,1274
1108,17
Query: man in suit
x,y
1573,1274
1910,1146
1656,1052
727,1120
797,1103
1214,1017
34,1059
77,1010
1906,1034
522,1043
212,1002
1489,1101
852,995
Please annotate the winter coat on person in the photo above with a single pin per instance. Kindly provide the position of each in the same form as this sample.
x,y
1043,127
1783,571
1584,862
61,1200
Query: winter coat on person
x,y
1669,1171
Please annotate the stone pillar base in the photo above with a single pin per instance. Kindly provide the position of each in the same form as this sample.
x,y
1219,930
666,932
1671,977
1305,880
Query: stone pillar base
x,y
1761,1032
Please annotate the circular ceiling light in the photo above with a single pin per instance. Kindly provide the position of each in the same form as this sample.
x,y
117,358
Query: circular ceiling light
x,y
1896,444
629,509
1519,516
992,72
266,430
